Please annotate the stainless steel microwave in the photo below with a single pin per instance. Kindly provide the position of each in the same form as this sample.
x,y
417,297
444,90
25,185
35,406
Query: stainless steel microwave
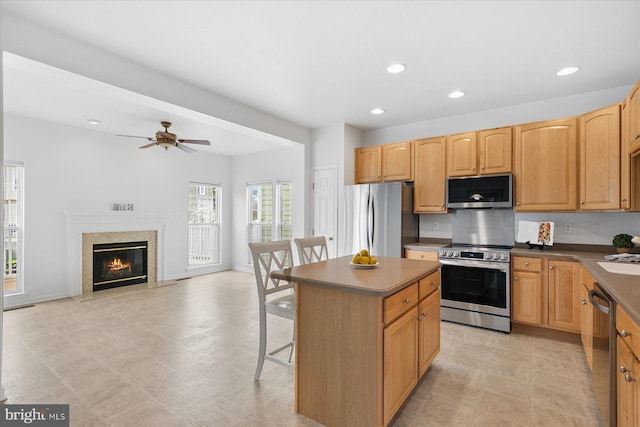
x,y
490,191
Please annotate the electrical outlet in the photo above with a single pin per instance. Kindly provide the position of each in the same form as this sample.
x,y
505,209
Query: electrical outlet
x,y
568,228
435,226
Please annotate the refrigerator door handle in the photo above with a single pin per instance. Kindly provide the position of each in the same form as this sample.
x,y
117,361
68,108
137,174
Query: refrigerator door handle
x,y
373,221
368,221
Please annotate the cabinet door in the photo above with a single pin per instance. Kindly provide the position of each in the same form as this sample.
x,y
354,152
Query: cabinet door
x,y
428,331
400,362
397,164
586,322
633,124
461,154
526,297
495,151
564,295
625,158
546,173
368,164
429,171
627,386
600,159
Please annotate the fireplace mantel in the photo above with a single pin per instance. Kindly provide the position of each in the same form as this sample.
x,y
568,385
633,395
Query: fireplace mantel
x,y
86,222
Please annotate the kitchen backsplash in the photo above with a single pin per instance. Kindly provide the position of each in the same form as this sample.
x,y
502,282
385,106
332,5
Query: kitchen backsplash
x,y
578,228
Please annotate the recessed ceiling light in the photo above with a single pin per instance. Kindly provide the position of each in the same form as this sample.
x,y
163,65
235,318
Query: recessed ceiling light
x,y
93,121
396,68
568,70
377,111
456,94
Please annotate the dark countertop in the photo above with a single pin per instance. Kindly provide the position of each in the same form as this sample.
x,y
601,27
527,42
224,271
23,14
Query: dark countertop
x,y
623,288
390,276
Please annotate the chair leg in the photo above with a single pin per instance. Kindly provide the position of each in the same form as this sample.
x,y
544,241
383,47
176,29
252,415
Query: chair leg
x,y
293,339
263,344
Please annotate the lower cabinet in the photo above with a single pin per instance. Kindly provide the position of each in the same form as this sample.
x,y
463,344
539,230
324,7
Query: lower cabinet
x,y
628,386
546,293
421,255
411,340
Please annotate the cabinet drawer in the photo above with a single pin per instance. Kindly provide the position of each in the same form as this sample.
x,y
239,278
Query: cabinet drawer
x,y
429,284
423,255
401,301
630,328
527,264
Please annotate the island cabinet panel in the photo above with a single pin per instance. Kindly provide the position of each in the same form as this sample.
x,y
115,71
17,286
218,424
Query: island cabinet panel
x,y
430,175
428,331
368,165
546,166
339,356
400,302
400,361
600,159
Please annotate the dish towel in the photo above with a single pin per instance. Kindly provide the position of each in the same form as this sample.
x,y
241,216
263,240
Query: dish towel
x,y
623,257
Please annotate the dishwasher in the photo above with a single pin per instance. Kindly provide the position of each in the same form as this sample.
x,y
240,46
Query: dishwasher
x,y
604,354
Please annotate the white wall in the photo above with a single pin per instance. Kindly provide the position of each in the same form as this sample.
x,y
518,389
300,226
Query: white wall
x,y
286,164
73,169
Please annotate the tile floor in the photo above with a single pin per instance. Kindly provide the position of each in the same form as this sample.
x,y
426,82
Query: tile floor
x,y
184,355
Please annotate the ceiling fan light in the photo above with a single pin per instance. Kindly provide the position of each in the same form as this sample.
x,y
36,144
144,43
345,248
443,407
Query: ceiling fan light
x,y
165,145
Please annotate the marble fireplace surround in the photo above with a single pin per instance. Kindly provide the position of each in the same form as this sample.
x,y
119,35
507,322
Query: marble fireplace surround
x,y
88,228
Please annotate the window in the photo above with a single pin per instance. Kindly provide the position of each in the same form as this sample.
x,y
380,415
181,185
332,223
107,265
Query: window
x,y
13,227
270,214
204,224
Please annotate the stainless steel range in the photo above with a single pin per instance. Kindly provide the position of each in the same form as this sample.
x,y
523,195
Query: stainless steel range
x,y
475,275
475,286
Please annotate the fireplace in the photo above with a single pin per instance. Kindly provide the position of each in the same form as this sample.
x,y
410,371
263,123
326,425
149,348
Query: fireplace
x,y
119,264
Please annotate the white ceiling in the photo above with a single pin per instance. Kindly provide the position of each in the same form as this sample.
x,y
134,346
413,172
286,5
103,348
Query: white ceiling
x,y
317,63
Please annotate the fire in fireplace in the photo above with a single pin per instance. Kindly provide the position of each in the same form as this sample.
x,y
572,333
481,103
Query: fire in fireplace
x,y
119,264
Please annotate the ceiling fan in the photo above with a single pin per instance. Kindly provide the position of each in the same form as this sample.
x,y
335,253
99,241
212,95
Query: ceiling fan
x,y
167,139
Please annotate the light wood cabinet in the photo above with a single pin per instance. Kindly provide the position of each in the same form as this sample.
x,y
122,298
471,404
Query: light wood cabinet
x,y
586,315
430,176
600,159
428,331
495,148
368,165
564,295
527,291
546,165
546,293
397,162
421,255
462,154
480,153
628,388
633,119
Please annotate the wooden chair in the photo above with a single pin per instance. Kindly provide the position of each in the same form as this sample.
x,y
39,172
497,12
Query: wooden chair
x,y
312,249
267,257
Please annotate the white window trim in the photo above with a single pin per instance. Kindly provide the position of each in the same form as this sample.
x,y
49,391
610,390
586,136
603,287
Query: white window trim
x,y
20,227
219,223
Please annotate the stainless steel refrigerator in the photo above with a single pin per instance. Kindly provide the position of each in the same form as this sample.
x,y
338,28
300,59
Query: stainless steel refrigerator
x,y
380,218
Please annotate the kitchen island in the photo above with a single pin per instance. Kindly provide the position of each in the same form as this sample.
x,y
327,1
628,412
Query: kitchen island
x,y
364,337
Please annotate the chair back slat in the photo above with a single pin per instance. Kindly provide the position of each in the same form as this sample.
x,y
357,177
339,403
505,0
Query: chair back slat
x,y
312,249
267,257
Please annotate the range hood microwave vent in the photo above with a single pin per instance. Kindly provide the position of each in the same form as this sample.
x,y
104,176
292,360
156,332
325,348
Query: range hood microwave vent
x,y
480,192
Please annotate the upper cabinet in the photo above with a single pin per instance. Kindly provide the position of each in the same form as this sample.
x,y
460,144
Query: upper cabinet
x,y
390,162
397,162
633,119
429,184
368,165
480,153
546,165
600,159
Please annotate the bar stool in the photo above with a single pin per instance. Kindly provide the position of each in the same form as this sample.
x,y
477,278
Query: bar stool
x,y
312,249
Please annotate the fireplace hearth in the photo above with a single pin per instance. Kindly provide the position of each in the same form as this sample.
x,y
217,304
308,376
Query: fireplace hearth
x,y
119,264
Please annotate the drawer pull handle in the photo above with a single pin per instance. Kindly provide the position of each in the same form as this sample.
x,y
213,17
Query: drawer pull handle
x,y
407,301
628,378
526,263
434,283
583,301
625,333
419,318
424,314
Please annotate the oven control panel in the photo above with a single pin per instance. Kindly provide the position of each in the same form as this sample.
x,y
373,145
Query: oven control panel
x,y
483,255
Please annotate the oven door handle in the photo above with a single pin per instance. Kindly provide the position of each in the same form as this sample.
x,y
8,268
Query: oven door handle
x,y
476,264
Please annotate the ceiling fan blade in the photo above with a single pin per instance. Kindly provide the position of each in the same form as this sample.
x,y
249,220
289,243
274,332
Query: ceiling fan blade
x,y
195,141
134,136
185,148
148,145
